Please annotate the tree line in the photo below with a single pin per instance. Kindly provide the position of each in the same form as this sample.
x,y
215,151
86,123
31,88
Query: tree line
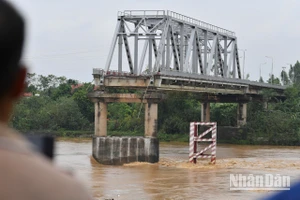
x,y
59,104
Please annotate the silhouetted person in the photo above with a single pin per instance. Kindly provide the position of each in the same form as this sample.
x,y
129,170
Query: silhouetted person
x,y
24,174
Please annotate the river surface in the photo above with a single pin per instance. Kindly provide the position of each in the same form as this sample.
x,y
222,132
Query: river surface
x,y
173,177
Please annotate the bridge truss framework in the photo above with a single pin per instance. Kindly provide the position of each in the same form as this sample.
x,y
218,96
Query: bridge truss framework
x,y
172,42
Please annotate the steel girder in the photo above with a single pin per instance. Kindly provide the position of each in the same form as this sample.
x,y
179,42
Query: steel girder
x,y
184,45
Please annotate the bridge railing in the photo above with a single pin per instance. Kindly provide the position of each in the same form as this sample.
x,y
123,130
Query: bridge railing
x,y
176,73
199,23
132,13
177,16
102,72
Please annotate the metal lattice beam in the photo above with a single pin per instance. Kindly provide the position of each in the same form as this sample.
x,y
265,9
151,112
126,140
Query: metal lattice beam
x,y
178,42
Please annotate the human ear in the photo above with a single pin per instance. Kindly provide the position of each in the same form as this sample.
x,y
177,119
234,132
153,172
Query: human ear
x,y
19,84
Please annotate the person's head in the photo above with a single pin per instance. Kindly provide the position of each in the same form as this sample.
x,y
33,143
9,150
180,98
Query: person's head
x,y
12,74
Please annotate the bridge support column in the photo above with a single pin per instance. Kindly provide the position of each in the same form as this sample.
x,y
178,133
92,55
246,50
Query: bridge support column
x,y
151,119
242,114
205,112
100,119
119,150
265,105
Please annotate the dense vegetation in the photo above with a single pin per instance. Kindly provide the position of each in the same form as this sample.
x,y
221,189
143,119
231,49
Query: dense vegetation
x,y
60,106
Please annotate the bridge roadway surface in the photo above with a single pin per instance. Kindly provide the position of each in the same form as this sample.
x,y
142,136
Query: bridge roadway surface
x,y
187,82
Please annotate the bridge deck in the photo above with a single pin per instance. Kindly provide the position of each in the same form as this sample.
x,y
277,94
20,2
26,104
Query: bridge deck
x,y
179,81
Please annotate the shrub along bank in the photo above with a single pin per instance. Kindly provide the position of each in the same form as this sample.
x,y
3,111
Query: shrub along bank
x,y
59,106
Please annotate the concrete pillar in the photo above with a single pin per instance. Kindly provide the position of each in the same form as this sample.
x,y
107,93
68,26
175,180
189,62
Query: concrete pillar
x,y
120,150
96,81
242,114
151,119
100,119
265,105
205,112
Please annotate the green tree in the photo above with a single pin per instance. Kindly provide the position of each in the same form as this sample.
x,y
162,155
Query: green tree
x,y
261,80
29,114
53,109
284,78
63,90
85,105
177,111
294,73
65,114
31,83
247,77
224,114
274,80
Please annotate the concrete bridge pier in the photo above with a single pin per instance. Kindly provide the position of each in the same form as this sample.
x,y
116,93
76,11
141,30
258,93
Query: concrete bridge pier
x,y
119,150
241,114
151,110
100,119
205,112
265,105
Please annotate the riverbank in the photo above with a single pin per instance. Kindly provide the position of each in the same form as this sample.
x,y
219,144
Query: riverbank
x,y
225,135
89,134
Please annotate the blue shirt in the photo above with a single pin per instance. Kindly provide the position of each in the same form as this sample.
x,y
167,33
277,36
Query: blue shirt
x,y
292,194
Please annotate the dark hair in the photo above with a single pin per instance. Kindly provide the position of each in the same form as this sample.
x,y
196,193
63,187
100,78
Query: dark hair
x,y
12,31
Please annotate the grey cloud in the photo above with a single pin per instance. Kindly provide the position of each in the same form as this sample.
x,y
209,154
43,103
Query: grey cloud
x,y
64,26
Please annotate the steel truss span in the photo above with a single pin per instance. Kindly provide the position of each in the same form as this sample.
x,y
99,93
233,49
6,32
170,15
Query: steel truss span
x,y
164,41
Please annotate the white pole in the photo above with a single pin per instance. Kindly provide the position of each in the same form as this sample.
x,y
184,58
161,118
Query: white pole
x,y
244,58
271,69
283,70
244,64
191,146
260,69
272,73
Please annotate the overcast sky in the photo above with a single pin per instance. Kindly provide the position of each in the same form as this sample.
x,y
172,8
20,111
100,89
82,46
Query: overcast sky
x,y
70,37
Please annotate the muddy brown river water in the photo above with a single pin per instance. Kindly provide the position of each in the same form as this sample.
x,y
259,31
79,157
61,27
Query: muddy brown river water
x,y
173,177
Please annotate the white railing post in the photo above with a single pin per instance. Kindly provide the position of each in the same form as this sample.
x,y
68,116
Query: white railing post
x,y
214,147
191,148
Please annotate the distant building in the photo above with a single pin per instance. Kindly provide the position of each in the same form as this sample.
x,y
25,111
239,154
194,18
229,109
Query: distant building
x,y
96,87
28,94
76,87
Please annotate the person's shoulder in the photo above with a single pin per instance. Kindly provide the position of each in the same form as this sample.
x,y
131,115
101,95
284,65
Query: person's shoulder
x,y
33,177
27,175
292,194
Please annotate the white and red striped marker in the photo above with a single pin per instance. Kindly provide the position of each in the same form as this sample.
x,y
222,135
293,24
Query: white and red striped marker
x,y
195,138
